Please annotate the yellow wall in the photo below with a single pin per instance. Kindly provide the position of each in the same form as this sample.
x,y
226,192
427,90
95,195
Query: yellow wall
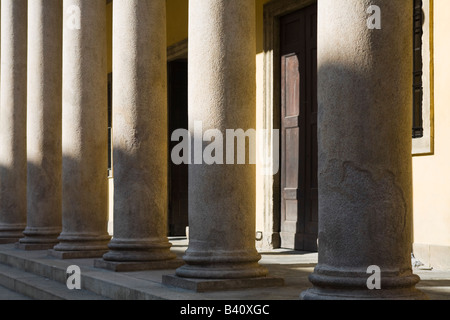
x,y
432,173
109,34
177,21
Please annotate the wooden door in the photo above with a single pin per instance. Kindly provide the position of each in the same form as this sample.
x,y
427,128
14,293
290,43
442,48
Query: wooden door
x,y
178,119
299,201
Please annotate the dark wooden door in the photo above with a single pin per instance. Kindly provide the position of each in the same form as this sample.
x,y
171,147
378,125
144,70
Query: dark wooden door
x,y
299,201
178,119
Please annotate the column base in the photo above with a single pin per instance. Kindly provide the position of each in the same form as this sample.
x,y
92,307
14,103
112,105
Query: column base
x,y
134,250
138,266
209,285
139,255
80,246
222,272
334,284
386,294
221,264
11,233
38,239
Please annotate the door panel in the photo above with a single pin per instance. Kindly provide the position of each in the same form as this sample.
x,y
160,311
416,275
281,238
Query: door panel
x,y
299,200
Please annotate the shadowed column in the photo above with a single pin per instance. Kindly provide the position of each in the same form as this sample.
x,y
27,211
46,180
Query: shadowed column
x,y
85,131
13,120
222,95
44,125
140,139
365,164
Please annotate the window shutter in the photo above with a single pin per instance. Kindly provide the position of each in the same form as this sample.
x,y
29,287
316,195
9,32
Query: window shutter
x,y
417,130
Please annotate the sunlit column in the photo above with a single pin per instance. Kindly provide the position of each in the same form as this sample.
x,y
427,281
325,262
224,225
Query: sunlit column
x,y
222,95
44,124
365,164
13,120
140,138
84,131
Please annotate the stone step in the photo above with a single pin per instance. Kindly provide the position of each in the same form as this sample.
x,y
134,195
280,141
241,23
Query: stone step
x,y
38,265
10,295
40,288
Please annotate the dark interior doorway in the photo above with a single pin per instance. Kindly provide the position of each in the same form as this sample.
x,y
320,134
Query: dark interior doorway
x,y
178,119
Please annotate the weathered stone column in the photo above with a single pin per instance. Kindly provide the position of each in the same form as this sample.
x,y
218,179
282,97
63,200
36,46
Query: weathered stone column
x,y
13,120
222,95
85,131
44,125
140,138
365,165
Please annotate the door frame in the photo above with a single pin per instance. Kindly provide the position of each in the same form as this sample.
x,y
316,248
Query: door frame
x,y
273,11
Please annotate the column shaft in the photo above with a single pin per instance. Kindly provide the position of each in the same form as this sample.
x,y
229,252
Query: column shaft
x,y
13,109
85,131
365,165
222,95
140,133
44,125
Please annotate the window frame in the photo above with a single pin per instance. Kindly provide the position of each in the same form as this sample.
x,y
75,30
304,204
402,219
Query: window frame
x,y
424,145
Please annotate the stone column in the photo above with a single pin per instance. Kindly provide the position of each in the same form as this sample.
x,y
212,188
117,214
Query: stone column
x,y
365,164
140,138
222,95
13,120
44,125
85,131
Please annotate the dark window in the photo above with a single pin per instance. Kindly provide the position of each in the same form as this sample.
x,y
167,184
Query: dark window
x,y
417,130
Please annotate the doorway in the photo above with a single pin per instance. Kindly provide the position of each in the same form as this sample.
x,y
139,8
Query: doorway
x,y
299,154
177,72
